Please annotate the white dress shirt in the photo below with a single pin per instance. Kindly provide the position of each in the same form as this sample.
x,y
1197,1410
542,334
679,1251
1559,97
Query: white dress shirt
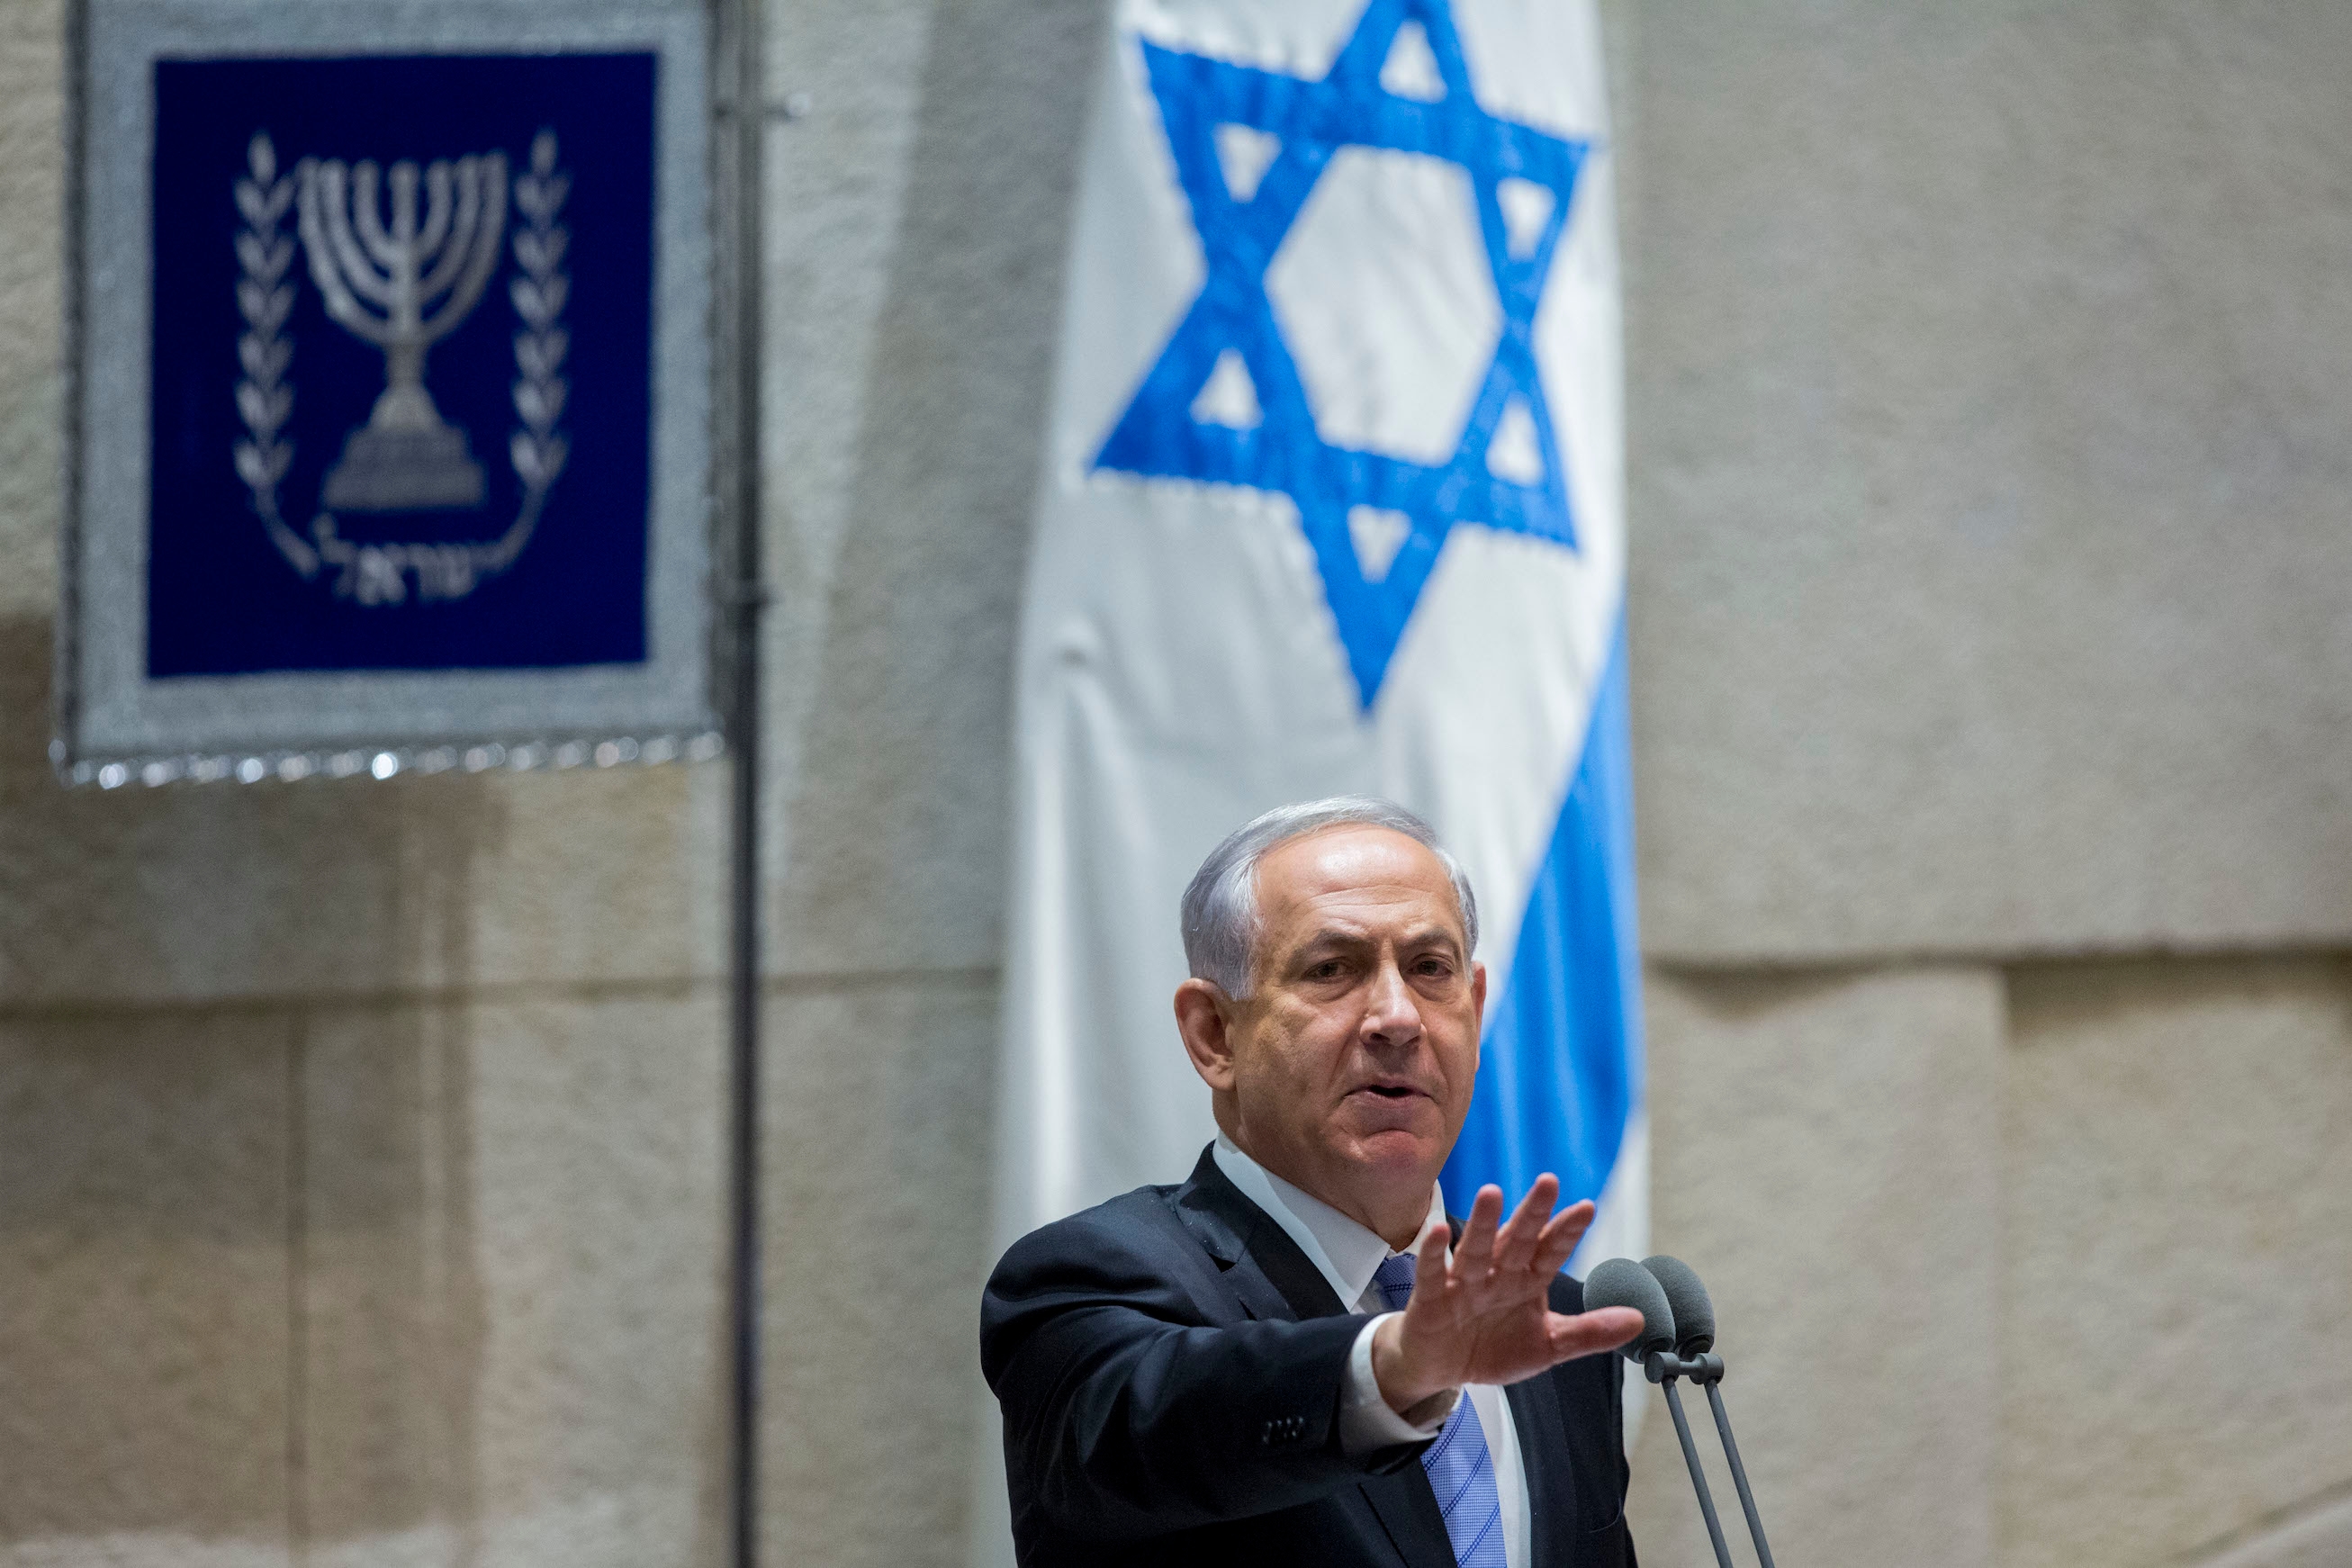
x,y
1347,1255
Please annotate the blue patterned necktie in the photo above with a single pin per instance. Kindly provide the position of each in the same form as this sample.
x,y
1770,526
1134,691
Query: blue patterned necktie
x,y
1461,1471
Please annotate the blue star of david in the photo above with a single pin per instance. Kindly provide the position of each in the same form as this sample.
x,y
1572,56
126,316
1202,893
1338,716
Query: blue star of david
x,y
1157,435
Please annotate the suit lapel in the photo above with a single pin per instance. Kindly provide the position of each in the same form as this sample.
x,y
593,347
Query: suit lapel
x,y
1274,1279
1260,1264
1294,1276
1551,1502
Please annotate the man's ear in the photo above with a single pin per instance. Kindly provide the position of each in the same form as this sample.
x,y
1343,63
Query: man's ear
x,y
1203,1018
1478,999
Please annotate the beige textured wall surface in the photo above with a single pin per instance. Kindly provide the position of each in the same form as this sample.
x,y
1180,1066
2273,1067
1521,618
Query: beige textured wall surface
x,y
2033,1266
2176,1277
146,1373
403,1283
919,211
918,215
1819,1150
1987,482
32,205
505,1310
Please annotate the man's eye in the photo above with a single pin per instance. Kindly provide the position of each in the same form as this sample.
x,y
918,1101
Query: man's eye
x,y
1329,969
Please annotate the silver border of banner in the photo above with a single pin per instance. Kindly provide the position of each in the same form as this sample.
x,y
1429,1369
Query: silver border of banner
x,y
115,726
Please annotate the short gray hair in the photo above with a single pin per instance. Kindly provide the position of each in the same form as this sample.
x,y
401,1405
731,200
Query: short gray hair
x,y
1220,913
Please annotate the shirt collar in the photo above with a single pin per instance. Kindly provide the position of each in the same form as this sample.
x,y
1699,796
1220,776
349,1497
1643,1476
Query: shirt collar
x,y
1345,1253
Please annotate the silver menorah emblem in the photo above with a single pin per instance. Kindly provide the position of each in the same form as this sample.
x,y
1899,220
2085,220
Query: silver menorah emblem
x,y
403,280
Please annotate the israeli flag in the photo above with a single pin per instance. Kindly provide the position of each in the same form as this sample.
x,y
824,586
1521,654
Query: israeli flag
x,y
1333,502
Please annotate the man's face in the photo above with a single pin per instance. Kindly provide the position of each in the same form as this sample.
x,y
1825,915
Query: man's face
x,y
1353,1056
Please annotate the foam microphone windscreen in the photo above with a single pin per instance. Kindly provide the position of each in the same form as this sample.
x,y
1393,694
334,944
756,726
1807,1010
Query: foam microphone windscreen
x,y
1621,1282
1694,1313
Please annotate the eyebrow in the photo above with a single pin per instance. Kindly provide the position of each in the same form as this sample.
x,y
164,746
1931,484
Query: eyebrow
x,y
1341,936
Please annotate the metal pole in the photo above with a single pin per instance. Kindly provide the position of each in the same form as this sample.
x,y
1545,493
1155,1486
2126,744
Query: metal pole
x,y
746,94
1738,1474
1699,1476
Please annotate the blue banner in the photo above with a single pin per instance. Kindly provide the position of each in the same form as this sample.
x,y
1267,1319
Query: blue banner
x,y
402,362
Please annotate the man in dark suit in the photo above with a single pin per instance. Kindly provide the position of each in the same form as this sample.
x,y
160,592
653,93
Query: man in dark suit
x,y
1296,1356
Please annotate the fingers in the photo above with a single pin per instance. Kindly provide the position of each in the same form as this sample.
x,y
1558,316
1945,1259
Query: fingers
x,y
1429,1279
1516,1248
1474,1254
1560,1237
1587,1334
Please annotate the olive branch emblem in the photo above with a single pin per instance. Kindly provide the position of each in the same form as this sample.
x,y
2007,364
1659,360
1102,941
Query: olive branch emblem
x,y
345,258
264,298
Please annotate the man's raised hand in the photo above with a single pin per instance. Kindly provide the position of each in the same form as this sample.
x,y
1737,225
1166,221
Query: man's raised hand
x,y
1485,1315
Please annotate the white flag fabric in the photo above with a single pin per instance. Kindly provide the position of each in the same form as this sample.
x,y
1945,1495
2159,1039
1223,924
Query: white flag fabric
x,y
1333,502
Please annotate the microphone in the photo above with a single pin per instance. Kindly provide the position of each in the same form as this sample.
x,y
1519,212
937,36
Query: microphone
x,y
1687,1297
1694,1337
1621,1282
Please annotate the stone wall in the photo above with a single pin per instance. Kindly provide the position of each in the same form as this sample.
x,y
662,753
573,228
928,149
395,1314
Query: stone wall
x,y
360,1145
361,1148
1988,629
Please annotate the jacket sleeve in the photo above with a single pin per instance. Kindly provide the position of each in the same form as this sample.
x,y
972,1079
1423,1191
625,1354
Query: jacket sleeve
x,y
1126,1415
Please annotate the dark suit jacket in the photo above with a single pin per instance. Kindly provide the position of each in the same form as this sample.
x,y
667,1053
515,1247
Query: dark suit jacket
x,y
1169,1365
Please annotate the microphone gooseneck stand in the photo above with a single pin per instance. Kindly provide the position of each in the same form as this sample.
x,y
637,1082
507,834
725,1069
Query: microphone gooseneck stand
x,y
1739,1470
1663,1369
1707,1370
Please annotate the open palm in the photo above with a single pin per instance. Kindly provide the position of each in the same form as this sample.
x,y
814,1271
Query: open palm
x,y
1484,1314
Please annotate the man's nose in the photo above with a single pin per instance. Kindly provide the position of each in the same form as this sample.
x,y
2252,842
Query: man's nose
x,y
1392,1015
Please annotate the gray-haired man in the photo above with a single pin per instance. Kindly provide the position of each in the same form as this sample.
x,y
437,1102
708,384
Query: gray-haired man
x,y
1295,1356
